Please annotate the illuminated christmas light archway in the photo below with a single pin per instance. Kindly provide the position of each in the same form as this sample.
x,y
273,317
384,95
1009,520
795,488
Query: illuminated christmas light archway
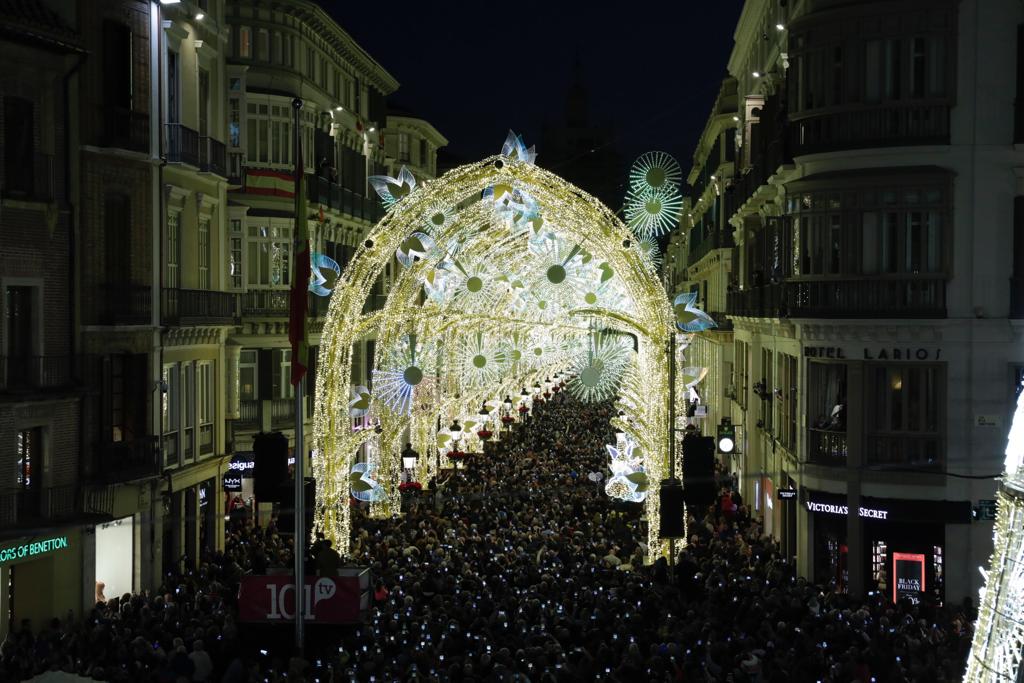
x,y
509,276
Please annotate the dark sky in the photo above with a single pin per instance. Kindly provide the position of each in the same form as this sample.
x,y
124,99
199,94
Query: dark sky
x,y
476,69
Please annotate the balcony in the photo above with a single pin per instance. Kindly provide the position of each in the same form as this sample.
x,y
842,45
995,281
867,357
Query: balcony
x,y
124,129
889,125
197,307
213,156
34,180
922,452
755,302
282,413
122,461
125,305
333,195
36,373
826,447
860,298
276,303
182,144
716,239
35,506
866,298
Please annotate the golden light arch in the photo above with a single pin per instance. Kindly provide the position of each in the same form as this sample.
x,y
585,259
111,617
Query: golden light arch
x,y
509,224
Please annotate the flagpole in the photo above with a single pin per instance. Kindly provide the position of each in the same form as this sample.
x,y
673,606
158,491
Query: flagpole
x,y
299,543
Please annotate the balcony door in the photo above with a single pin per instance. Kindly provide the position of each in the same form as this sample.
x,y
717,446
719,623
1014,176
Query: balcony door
x,y
18,149
20,333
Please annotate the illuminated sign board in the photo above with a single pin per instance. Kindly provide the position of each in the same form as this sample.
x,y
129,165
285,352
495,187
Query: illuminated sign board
x,y
834,509
908,576
33,549
242,465
786,494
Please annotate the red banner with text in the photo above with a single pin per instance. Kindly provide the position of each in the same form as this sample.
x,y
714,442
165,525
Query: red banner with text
x,y
327,599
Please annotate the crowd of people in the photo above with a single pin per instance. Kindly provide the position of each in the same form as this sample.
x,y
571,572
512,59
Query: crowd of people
x,y
518,567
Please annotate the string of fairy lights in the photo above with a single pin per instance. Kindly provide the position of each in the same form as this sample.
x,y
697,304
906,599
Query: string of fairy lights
x,y
509,276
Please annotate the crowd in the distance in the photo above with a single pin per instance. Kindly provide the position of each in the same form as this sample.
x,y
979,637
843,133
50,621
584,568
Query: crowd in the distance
x,y
522,569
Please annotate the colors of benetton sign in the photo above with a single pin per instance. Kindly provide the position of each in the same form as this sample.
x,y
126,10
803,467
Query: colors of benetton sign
x,y
19,552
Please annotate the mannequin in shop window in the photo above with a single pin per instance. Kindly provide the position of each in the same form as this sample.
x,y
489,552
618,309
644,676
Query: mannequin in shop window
x,y
99,592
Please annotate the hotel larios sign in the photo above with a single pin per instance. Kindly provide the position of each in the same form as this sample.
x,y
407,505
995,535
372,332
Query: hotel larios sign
x,y
33,549
885,353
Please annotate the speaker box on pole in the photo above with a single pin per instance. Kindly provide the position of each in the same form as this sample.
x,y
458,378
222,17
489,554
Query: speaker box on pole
x,y
699,486
270,469
672,523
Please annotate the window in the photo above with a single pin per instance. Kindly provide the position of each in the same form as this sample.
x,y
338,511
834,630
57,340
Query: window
x,y
235,254
171,409
269,248
269,134
235,122
206,404
173,249
124,393
276,55
20,329
786,374
311,63
283,374
188,409
19,146
30,458
403,147
204,253
117,236
904,414
768,381
322,73
204,106
248,375
263,45
740,378
173,87
118,61
424,161
244,42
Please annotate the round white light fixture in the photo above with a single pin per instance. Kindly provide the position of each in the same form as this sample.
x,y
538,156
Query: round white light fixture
x,y
726,445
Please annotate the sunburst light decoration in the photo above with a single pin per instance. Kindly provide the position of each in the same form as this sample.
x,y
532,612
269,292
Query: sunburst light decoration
x,y
689,318
391,190
397,385
437,217
598,370
652,213
650,254
629,481
655,171
481,361
654,201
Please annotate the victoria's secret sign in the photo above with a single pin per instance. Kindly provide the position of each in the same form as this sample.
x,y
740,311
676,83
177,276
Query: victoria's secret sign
x,y
883,353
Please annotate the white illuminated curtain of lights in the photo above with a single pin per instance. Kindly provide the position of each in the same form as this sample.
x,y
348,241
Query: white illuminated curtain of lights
x,y
998,644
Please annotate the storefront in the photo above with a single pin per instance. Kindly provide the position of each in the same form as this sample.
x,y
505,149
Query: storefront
x,y
40,577
904,542
114,561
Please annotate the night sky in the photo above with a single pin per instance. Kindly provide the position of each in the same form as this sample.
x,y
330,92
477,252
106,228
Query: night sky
x,y
475,69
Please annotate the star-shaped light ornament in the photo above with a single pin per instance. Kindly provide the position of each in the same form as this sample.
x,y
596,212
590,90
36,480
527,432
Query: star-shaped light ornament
x,y
629,481
392,190
689,318
359,401
318,264
363,483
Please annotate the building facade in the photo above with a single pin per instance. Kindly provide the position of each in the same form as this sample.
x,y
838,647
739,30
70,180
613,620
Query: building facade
x,y
873,195
146,201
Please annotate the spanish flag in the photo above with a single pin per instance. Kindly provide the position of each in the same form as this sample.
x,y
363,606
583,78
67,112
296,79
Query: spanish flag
x,y
300,274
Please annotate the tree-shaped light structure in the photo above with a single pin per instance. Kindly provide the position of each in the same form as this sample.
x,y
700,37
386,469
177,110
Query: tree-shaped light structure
x,y
509,275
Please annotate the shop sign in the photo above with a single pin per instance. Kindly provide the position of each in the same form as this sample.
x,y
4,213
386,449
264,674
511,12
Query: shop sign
x,y
327,599
242,465
20,552
986,510
908,576
835,509
786,494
